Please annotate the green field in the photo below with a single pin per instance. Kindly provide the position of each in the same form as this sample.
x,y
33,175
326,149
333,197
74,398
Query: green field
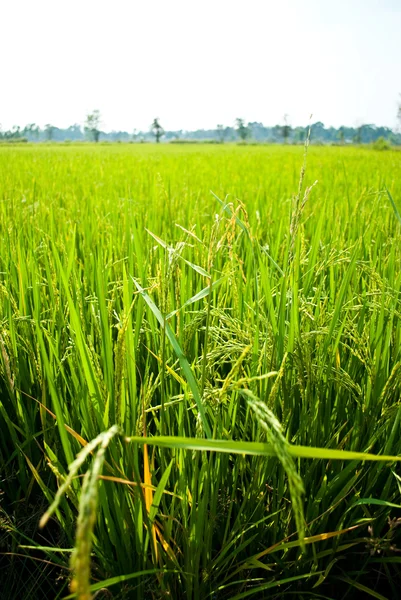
x,y
254,341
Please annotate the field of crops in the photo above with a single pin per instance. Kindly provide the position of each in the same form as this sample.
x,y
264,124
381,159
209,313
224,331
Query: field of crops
x,y
250,336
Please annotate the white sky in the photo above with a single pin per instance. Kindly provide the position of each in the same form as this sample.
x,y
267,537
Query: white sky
x,y
196,63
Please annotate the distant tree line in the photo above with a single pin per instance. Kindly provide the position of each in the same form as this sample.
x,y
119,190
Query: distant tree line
x,y
240,131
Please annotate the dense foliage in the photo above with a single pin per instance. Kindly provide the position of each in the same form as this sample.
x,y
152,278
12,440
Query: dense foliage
x,y
271,319
252,132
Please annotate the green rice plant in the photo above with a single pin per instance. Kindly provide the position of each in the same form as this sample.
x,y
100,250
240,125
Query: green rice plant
x,y
196,341
277,446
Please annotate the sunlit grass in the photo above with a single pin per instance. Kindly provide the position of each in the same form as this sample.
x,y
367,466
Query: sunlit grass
x,y
267,323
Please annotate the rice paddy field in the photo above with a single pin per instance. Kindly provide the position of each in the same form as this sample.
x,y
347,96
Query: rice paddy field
x,y
200,372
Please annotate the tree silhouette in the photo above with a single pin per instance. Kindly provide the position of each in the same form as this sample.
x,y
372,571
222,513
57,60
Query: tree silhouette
x,y
286,129
157,129
358,135
221,133
92,125
49,130
31,131
242,129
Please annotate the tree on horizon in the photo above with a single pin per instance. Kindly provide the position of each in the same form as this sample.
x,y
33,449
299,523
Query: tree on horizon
x,y
341,135
242,129
156,129
92,125
221,133
286,129
357,139
49,131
